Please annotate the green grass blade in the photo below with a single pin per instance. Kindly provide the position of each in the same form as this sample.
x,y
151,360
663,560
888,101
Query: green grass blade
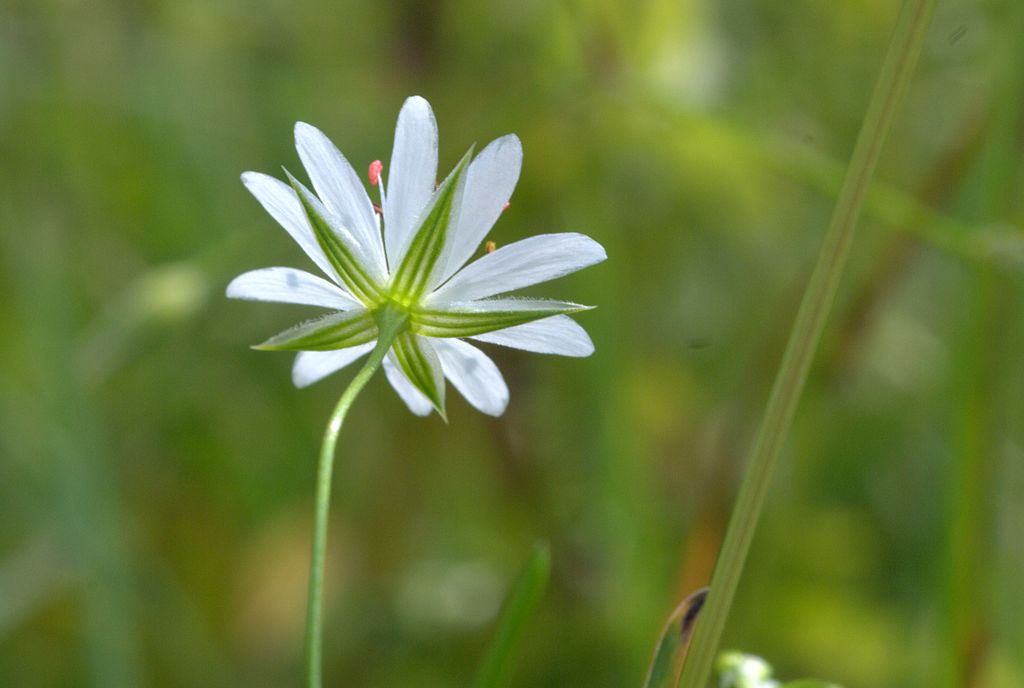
x,y
667,662
495,668
890,90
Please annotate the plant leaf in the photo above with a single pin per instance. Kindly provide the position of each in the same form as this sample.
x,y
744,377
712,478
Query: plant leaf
x,y
667,663
495,668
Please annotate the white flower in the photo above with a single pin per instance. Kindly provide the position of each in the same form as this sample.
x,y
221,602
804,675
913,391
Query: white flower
x,y
412,274
738,670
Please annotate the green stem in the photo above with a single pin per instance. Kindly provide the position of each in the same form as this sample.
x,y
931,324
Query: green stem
x,y
889,92
390,323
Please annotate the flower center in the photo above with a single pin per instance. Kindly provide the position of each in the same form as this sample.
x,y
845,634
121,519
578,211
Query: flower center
x,y
391,318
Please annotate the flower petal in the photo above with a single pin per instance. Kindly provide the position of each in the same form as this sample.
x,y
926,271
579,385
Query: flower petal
x,y
412,397
473,318
418,360
411,177
530,261
288,285
556,335
278,199
313,366
489,184
335,331
473,374
340,189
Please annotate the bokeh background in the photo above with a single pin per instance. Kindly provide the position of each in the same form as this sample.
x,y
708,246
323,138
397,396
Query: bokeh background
x,y
156,475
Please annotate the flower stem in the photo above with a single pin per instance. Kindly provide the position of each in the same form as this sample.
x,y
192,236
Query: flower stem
x,y
390,323
889,92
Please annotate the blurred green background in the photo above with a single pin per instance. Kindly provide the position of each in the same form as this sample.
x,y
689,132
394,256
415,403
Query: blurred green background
x,y
156,475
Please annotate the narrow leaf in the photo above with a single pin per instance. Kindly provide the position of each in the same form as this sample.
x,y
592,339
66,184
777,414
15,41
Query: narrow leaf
x,y
667,663
805,336
495,668
335,331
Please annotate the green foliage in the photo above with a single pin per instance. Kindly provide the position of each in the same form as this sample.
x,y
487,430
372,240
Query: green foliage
x,y
671,650
802,344
495,669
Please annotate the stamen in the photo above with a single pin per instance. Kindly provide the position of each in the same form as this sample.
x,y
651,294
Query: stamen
x,y
376,167
505,207
374,174
490,247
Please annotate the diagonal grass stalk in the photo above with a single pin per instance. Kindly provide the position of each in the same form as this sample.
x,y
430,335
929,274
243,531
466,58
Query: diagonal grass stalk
x,y
495,668
390,323
969,630
669,655
888,95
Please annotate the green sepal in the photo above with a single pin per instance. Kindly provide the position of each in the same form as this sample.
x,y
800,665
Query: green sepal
x,y
470,322
333,331
423,368
337,246
427,244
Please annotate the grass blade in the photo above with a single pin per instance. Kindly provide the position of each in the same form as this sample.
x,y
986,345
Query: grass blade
x,y
667,662
888,95
495,669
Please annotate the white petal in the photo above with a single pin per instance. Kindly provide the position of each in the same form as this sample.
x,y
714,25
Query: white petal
x,y
340,189
530,261
288,285
413,398
313,366
558,334
411,177
278,199
473,374
490,180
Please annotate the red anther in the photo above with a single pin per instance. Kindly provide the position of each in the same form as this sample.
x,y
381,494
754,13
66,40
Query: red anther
x,y
377,209
376,167
505,207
